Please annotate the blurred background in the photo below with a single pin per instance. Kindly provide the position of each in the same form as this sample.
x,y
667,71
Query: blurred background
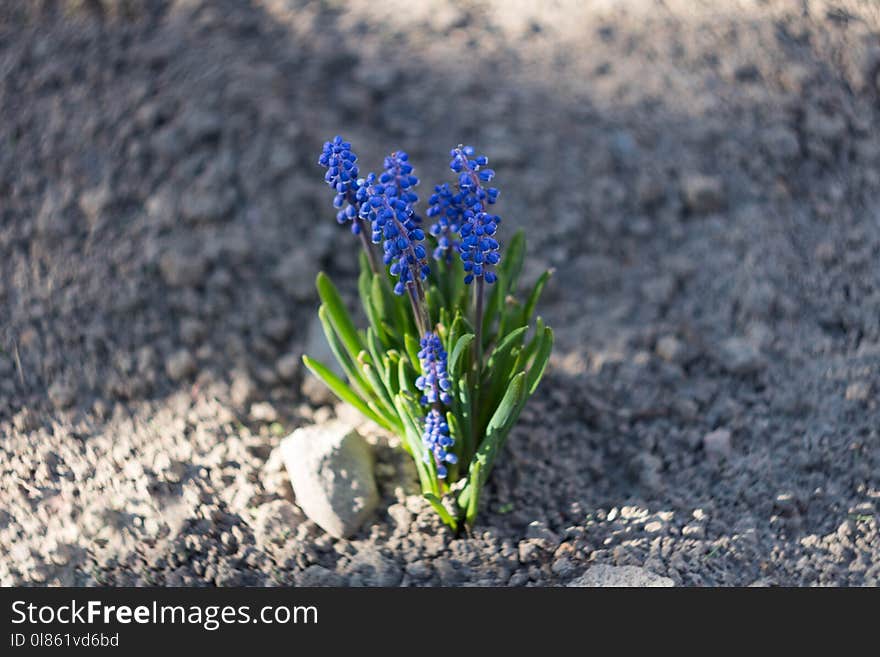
x,y
703,176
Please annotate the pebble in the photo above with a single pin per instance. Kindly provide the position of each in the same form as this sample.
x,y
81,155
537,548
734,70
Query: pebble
x,y
702,194
180,365
264,412
180,269
739,356
858,391
288,367
717,443
62,394
670,349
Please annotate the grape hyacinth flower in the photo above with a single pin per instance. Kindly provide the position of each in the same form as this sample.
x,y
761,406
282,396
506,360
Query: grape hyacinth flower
x,y
433,382
447,206
479,249
342,176
438,442
392,225
399,172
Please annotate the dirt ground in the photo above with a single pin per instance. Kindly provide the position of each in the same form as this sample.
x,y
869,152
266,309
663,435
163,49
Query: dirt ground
x,y
704,177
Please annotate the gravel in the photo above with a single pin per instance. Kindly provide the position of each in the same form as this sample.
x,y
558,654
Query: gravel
x,y
705,184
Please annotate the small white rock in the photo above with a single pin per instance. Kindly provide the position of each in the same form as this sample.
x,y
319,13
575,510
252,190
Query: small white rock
x,y
331,471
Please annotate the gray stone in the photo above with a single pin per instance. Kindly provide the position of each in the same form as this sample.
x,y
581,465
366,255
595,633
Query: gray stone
x,y
670,349
739,356
288,367
702,194
180,365
62,394
717,443
858,391
331,471
620,576
180,269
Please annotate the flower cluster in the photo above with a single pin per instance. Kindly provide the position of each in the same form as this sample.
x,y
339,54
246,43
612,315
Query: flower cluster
x,y
435,385
446,206
438,442
397,371
399,172
464,213
342,176
434,382
392,224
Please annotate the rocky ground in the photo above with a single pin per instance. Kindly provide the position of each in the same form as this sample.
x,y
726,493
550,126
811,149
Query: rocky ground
x,y
704,177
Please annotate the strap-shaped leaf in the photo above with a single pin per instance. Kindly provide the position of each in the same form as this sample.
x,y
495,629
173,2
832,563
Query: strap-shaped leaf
x,y
496,433
339,351
383,403
532,345
534,295
413,437
377,356
371,302
456,364
445,516
539,365
509,342
339,316
412,350
404,373
343,391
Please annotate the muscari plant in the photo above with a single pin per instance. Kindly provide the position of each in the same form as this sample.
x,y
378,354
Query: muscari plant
x,y
450,354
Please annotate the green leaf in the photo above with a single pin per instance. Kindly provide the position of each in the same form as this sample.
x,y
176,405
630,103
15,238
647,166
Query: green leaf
x,y
536,370
445,516
339,316
371,302
496,433
342,357
412,349
535,294
403,375
384,405
413,439
532,345
343,391
456,363
471,494
509,342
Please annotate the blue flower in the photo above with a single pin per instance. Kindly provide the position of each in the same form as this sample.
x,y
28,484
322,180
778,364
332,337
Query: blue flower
x,y
447,207
399,172
465,214
392,224
438,442
342,177
434,381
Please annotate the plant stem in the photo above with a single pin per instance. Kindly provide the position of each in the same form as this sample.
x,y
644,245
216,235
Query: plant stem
x,y
478,322
365,241
417,299
477,372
